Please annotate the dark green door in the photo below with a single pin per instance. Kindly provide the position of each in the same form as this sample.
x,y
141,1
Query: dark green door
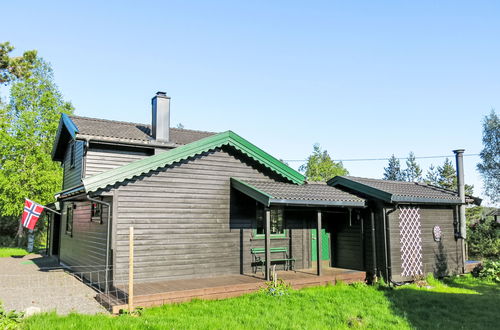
x,y
325,244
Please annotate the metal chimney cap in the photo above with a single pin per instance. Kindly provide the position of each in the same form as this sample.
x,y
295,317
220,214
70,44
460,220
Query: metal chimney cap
x,y
459,151
161,94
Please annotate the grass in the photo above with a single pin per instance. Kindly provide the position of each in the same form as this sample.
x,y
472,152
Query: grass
x,y
462,302
12,252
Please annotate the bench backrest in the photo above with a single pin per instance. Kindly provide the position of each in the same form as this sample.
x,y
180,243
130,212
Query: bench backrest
x,y
273,249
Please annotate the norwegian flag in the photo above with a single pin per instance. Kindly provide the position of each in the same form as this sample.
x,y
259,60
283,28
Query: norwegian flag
x,y
31,214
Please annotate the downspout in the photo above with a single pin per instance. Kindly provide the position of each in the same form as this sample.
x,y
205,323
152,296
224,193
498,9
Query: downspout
x,y
374,247
106,274
387,244
459,157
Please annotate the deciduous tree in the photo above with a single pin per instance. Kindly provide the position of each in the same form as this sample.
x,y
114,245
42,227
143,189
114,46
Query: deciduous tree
x,y
321,167
28,126
15,67
490,157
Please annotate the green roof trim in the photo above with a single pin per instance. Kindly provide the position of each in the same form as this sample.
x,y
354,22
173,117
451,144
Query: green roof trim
x,y
228,138
356,186
251,191
386,196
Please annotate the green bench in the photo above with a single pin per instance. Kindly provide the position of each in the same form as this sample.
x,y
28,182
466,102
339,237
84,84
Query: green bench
x,y
260,261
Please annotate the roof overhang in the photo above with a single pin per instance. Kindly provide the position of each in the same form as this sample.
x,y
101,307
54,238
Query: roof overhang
x,y
268,200
228,138
388,197
66,131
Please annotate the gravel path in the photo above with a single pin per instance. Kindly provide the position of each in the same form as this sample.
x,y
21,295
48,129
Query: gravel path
x,y
38,281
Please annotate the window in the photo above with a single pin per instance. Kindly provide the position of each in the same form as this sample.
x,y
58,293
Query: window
x,y
277,222
69,220
72,155
96,212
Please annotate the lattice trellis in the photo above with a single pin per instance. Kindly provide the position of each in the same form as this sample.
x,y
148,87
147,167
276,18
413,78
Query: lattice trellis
x,y
411,241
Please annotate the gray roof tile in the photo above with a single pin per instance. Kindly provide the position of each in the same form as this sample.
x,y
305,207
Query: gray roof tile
x,y
407,189
306,192
131,131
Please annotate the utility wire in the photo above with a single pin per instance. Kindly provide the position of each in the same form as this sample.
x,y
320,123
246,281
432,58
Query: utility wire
x,y
374,159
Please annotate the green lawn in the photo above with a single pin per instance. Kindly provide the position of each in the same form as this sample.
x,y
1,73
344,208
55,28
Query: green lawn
x,y
8,252
462,302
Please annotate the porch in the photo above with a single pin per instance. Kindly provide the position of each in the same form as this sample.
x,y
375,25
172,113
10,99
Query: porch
x,y
220,287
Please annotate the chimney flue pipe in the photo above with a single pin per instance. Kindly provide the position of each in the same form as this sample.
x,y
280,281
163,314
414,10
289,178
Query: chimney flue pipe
x,y
160,124
459,156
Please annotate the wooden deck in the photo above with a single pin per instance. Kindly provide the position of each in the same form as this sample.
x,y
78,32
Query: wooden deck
x,y
166,292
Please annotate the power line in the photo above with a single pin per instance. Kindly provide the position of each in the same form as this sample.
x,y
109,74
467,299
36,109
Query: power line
x,y
375,159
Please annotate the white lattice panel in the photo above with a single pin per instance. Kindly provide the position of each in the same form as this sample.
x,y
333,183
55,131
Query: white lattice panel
x,y
411,241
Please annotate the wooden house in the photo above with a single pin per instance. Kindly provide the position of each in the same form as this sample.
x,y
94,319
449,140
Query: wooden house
x,y
208,205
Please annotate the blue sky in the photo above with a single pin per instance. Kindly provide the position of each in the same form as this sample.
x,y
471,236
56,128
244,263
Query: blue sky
x,y
363,79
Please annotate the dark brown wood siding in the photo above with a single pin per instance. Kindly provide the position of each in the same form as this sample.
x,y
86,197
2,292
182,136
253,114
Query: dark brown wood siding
x,y
85,249
347,248
441,258
72,175
98,160
181,216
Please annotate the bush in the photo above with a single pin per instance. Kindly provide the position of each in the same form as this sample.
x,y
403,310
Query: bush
x,y
277,288
9,320
483,234
489,270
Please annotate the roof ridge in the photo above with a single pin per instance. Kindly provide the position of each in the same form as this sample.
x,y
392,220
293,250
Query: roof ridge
x,y
137,124
383,180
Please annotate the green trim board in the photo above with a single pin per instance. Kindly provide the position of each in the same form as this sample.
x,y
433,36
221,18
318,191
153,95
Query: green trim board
x,y
228,138
267,199
251,191
387,196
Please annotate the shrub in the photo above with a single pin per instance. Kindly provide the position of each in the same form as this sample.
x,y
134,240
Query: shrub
x,y
277,287
483,234
489,270
9,320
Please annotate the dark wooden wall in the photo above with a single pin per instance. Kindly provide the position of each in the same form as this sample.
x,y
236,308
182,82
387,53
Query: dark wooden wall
x,y
85,249
72,176
181,217
441,258
103,158
347,249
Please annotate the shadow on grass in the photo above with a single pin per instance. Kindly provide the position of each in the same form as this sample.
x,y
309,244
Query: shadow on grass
x,y
425,309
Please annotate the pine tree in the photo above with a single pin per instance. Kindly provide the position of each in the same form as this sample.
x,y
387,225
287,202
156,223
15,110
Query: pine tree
x,y
445,177
413,172
490,157
321,167
393,170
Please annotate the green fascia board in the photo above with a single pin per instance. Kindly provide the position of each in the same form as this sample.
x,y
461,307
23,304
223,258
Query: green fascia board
x,y
251,191
424,200
370,191
229,138
318,203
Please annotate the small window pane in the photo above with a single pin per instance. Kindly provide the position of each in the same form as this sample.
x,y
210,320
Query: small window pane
x,y
69,219
277,220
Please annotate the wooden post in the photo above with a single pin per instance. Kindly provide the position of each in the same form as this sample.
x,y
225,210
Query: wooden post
x,y
268,243
318,242
131,270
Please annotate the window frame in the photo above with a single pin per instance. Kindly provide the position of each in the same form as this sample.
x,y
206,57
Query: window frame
x,y
260,208
93,217
69,215
72,157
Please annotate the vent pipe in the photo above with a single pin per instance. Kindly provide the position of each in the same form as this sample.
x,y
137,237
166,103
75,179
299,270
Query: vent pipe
x,y
160,125
459,156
